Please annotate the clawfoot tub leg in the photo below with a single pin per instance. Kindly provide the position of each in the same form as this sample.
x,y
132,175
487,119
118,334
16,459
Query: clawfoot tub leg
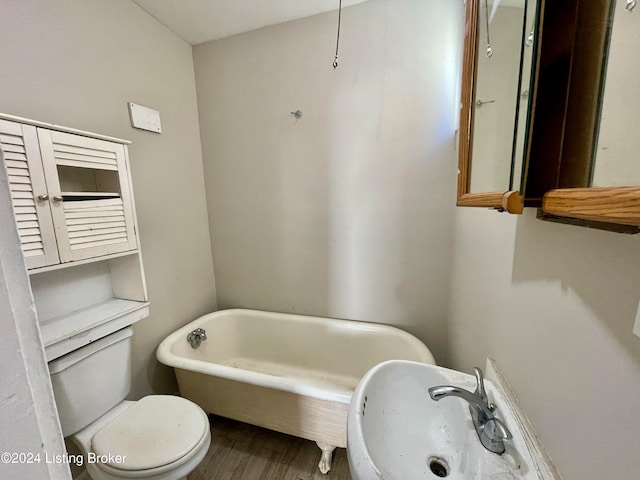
x,y
325,460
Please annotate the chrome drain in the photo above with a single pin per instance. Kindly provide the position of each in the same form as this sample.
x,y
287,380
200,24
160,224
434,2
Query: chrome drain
x,y
439,467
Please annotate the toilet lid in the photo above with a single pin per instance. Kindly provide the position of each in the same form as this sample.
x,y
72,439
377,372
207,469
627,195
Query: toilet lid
x,y
155,431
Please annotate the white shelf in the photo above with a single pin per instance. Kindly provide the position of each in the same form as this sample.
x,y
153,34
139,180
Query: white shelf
x,y
59,266
91,194
63,334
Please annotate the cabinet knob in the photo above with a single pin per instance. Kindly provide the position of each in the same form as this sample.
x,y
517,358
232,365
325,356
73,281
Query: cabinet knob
x,y
43,197
57,198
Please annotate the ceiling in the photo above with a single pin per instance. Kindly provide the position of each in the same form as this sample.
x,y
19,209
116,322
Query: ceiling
x,y
199,21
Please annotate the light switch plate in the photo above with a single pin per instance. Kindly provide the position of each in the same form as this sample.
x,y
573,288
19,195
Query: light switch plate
x,y
145,118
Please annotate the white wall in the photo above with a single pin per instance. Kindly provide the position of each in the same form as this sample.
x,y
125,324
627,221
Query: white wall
x,y
555,306
347,211
77,63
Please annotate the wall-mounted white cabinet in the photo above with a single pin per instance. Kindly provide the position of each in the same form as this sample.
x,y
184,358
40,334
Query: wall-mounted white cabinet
x,y
74,209
19,143
71,194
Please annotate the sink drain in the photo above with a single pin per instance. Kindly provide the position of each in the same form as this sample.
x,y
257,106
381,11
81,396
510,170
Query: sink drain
x,y
439,467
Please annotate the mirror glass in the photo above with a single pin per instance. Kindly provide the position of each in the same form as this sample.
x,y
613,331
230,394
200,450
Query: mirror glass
x,y
524,105
504,58
616,153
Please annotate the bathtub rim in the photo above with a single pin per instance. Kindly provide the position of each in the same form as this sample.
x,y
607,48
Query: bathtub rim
x,y
292,385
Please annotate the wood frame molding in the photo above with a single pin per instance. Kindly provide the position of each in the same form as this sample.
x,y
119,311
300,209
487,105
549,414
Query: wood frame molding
x,y
606,204
509,201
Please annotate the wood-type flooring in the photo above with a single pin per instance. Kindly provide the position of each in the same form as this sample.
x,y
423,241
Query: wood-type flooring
x,y
245,452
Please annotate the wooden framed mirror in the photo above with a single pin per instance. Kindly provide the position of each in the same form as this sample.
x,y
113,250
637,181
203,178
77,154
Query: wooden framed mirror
x,y
549,110
497,88
598,179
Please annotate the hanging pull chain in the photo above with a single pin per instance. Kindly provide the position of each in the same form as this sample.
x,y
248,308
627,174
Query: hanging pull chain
x,y
486,18
335,60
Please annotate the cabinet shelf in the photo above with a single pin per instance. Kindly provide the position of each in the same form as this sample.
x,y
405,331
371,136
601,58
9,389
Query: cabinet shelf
x,y
65,333
82,303
89,195
60,266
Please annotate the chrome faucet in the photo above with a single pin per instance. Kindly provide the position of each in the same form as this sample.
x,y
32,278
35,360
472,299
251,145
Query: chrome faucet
x,y
196,337
491,431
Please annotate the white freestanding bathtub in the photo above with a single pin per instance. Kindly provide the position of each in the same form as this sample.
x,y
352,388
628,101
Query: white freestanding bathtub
x,y
290,373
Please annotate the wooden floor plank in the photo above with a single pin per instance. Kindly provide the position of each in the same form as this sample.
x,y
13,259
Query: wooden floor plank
x,y
245,452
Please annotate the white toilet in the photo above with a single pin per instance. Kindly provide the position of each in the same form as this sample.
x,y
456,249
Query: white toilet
x,y
160,437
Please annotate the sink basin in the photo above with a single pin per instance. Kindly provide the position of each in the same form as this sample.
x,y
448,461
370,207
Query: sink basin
x,y
396,432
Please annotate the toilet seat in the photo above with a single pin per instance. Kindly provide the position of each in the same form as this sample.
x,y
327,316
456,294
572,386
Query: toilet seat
x,y
157,430
173,471
159,437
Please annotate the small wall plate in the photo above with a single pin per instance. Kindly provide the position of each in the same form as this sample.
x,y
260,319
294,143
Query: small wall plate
x,y
144,118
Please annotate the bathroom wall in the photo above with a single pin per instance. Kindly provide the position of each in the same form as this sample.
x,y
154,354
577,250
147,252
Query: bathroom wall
x,y
77,63
345,212
555,306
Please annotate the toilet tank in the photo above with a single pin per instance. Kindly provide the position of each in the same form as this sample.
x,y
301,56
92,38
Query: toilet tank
x,y
91,380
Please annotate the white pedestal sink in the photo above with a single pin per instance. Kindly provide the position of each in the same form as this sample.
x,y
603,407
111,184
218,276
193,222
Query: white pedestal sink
x,y
396,432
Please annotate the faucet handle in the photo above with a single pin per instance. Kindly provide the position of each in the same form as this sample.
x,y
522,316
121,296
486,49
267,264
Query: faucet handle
x,y
495,429
480,391
199,332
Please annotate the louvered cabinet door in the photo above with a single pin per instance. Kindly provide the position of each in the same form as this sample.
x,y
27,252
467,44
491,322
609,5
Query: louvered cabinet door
x,y
91,203
27,183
